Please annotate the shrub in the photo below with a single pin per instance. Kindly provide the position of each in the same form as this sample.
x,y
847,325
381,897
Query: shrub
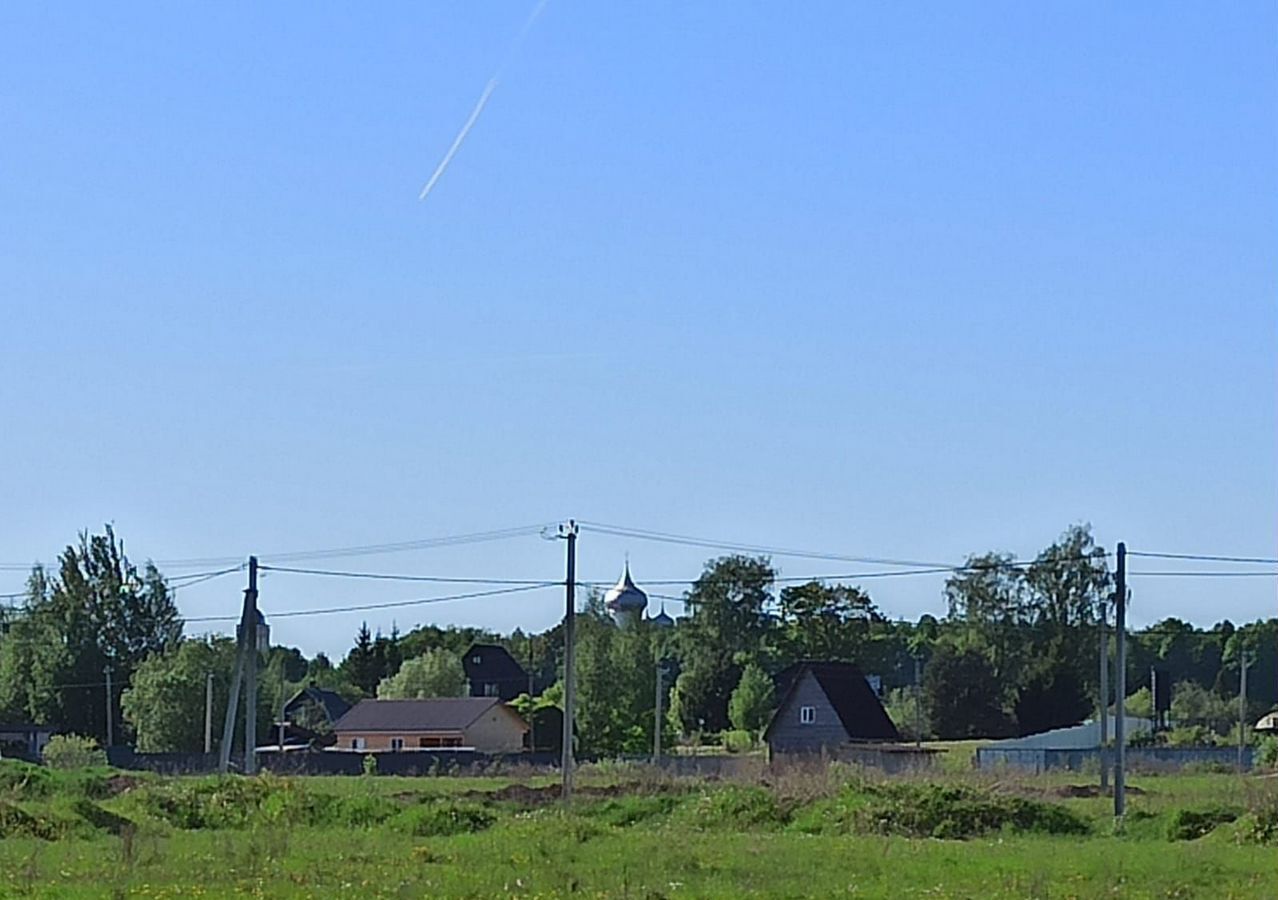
x,y
99,818
1262,823
71,751
935,810
370,764
1191,824
738,741
738,807
1267,753
24,780
439,819
17,822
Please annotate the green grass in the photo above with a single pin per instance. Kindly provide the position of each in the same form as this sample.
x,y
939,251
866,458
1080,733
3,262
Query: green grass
x,y
629,833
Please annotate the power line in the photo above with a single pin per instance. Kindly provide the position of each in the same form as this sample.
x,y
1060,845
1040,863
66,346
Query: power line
x,y
379,576
321,611
1175,574
1201,557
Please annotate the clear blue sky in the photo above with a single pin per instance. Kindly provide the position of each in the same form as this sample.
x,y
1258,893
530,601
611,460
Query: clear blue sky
x,y
856,278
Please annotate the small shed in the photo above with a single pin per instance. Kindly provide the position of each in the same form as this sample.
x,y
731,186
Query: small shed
x,y
826,706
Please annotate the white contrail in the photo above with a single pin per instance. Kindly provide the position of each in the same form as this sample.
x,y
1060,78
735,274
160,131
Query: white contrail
x,y
483,100
461,136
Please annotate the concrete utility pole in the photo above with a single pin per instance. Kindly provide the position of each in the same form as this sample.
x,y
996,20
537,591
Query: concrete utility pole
x,y
1120,720
208,713
1245,660
110,719
1104,702
569,533
250,672
245,637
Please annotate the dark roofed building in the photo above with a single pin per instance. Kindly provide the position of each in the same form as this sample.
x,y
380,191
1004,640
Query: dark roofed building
x,y
483,723
313,705
492,672
825,706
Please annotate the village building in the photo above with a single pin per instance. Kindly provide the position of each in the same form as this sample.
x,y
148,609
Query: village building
x,y
484,724
826,707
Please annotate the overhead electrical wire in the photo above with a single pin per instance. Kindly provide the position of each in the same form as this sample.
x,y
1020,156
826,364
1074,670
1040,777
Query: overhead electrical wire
x,y
1203,557
364,607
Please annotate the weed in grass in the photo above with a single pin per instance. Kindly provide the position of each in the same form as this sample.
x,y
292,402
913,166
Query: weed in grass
x,y
737,808
442,818
1191,824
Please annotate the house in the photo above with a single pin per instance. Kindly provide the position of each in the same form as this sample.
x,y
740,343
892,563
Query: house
x,y
826,706
315,708
492,672
24,740
485,724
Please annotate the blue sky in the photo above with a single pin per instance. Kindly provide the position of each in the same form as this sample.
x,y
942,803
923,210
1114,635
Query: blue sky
x,y
855,278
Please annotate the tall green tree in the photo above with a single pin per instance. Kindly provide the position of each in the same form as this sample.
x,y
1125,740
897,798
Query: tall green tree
x,y
962,694
436,673
99,610
750,705
829,622
165,702
730,623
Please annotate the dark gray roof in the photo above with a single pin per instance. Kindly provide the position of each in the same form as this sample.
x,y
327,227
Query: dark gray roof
x,y
439,714
495,664
333,703
844,685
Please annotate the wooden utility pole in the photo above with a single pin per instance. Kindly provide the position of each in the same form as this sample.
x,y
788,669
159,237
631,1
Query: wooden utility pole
x,y
1120,719
569,533
1104,703
656,723
918,702
245,637
250,671
110,718
208,713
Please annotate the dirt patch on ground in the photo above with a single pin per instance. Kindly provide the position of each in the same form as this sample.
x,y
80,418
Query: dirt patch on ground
x,y
121,784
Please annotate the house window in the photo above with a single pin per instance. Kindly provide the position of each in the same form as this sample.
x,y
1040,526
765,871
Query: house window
x,y
357,743
490,689
397,743
476,659
807,715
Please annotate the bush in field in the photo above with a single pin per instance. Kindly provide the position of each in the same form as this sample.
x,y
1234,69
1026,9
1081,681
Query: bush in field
x,y
71,751
935,810
737,808
1191,824
1267,753
16,822
440,819
24,780
625,811
1261,826
738,741
236,802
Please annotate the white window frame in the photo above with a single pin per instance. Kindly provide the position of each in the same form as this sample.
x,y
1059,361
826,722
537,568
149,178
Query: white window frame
x,y
357,743
807,715
397,743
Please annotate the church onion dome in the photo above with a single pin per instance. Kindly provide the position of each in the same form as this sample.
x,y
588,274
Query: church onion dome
x,y
625,596
662,619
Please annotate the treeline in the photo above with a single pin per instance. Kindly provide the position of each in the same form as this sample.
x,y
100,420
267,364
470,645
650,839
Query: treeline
x,y
1016,653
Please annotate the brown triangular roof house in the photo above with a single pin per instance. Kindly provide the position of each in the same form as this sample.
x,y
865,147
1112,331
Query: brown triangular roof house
x,y
825,705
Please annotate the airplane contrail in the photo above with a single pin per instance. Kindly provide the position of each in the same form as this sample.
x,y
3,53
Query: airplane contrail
x,y
483,100
461,136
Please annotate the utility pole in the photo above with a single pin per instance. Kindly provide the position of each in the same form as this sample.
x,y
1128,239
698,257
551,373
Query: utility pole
x,y
656,723
208,713
532,712
918,703
110,719
245,638
1104,702
1245,659
250,671
1120,720
569,533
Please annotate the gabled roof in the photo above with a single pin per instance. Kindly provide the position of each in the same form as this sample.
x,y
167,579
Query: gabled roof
x,y
334,704
439,714
496,664
862,715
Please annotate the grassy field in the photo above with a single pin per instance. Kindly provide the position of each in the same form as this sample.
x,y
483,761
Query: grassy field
x,y
632,833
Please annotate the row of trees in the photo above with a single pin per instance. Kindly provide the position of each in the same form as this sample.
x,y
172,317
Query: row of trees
x,y
1016,652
